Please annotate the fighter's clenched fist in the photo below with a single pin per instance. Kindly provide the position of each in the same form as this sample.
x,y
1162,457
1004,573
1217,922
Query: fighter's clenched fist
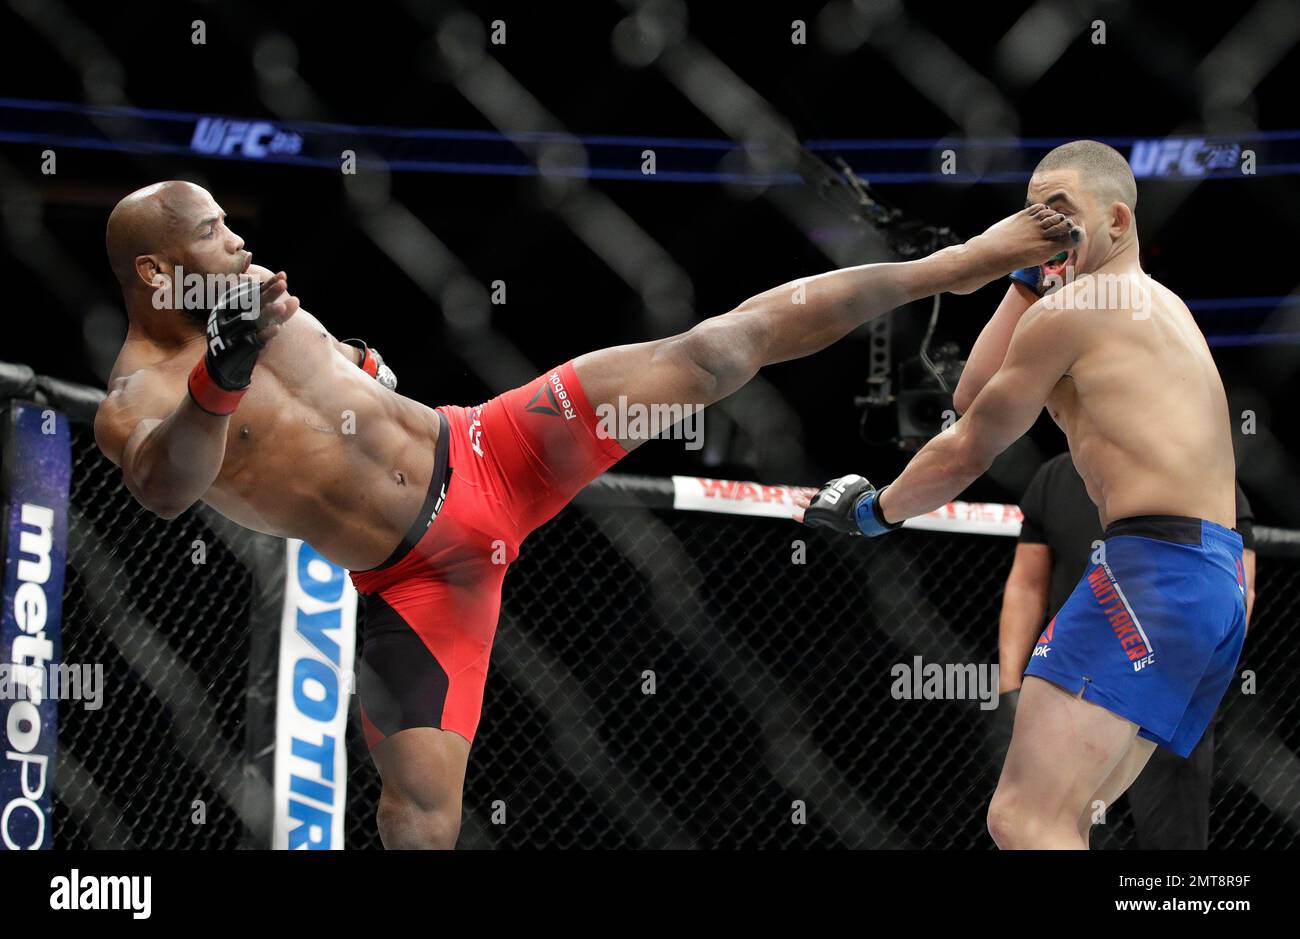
x,y
848,505
245,318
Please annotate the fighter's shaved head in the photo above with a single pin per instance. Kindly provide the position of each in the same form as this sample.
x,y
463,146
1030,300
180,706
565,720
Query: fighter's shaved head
x,y
146,222
1102,169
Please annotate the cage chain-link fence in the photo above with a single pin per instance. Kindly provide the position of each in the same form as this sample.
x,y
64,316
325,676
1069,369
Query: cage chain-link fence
x,y
163,608
773,687
660,679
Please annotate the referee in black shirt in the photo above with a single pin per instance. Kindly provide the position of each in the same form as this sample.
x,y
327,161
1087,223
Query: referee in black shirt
x,y
1170,800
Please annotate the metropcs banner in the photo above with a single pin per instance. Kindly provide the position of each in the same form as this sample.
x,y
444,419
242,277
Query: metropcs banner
x,y
37,470
317,645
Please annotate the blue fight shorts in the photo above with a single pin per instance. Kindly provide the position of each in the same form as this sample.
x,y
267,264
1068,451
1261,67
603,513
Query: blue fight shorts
x,y
1153,632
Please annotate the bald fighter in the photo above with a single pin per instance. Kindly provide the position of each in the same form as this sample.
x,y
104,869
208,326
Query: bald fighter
x,y
1144,648
243,405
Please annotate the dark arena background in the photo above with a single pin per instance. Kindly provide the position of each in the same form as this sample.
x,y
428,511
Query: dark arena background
x,y
481,192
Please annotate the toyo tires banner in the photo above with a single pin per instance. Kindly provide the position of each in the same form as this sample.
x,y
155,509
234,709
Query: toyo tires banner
x,y
317,646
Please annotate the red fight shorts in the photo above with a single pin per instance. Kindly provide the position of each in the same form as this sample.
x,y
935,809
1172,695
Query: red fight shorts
x,y
430,611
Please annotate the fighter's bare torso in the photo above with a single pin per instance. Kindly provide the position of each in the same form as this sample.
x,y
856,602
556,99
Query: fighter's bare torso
x,y
1143,406
317,449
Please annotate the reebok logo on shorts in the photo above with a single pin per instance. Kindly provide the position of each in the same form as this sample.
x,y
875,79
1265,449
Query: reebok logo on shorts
x,y
1044,641
431,615
557,399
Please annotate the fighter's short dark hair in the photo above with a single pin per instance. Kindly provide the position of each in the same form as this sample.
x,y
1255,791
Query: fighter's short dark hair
x,y
1103,168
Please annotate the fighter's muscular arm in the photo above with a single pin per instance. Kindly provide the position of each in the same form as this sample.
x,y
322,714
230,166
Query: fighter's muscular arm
x,y
990,349
1042,349
170,437
170,453
1024,601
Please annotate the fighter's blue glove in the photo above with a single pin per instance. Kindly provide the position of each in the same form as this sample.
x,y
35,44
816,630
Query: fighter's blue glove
x,y
1032,277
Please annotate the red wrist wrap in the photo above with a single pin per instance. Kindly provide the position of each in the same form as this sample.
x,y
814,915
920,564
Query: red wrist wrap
x,y
369,364
210,396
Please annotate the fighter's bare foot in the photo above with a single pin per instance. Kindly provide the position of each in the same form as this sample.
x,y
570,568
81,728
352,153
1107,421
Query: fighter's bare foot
x,y
1029,237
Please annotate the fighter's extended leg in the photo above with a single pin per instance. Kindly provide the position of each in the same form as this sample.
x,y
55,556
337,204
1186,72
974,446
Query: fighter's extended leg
x,y
423,772
1063,751
719,355
519,437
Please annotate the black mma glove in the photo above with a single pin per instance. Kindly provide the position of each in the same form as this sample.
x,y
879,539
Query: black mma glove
x,y
849,505
222,376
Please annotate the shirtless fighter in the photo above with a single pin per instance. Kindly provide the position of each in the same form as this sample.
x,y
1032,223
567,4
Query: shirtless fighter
x,y
245,410
1144,649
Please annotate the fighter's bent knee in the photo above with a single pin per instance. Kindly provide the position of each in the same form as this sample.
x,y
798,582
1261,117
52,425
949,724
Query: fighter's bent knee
x,y
1017,825
1010,823
1001,821
720,356
406,825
